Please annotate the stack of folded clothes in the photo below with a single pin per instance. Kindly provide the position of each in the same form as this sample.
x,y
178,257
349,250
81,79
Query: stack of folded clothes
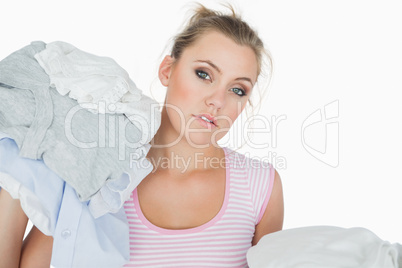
x,y
73,129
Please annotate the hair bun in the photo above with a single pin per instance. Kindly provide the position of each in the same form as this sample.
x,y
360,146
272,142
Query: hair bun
x,y
201,12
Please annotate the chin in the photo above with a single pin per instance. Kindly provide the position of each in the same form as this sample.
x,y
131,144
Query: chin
x,y
200,140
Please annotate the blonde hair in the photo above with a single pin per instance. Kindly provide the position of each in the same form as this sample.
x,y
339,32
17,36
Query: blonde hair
x,y
232,26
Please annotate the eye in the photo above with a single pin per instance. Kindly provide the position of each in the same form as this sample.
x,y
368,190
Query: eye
x,y
203,75
239,91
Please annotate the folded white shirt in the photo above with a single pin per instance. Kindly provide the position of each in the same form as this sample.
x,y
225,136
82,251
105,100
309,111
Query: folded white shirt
x,y
324,246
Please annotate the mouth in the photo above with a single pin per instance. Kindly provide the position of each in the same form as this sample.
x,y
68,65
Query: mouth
x,y
206,120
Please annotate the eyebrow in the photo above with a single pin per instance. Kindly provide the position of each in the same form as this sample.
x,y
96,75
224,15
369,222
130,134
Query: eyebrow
x,y
219,71
211,64
245,79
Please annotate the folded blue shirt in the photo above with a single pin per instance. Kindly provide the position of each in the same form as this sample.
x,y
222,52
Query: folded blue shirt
x,y
54,208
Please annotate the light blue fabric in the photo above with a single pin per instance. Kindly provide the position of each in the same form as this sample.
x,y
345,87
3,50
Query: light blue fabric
x,y
80,240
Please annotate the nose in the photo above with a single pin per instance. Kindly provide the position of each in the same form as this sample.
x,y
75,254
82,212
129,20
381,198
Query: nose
x,y
216,99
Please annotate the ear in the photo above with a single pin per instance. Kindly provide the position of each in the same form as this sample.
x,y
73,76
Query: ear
x,y
165,69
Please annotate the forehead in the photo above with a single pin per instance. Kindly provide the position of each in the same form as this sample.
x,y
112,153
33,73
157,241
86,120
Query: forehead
x,y
233,59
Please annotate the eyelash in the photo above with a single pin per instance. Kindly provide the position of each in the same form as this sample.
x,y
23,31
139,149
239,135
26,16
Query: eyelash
x,y
199,74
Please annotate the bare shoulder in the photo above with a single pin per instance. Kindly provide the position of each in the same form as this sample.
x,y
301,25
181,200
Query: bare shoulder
x,y
272,220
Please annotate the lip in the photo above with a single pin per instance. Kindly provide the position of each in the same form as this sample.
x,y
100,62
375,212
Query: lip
x,y
209,117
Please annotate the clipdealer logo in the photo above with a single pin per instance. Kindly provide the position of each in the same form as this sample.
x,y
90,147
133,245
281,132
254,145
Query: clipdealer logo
x,y
320,134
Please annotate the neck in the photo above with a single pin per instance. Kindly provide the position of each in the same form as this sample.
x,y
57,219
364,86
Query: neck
x,y
173,154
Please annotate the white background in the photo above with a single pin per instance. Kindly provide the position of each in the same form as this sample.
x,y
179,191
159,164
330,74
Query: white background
x,y
323,51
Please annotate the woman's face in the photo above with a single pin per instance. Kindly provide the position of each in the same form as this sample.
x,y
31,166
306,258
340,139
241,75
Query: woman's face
x,y
213,77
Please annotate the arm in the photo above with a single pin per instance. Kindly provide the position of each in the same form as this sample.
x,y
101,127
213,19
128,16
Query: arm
x,y
13,222
34,251
272,220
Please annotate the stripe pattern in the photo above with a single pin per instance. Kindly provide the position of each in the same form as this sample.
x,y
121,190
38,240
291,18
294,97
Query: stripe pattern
x,y
222,242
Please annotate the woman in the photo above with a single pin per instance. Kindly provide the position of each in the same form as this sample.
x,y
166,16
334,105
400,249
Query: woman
x,y
203,207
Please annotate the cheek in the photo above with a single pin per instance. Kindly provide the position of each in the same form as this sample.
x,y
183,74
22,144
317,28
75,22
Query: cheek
x,y
180,90
235,110
179,100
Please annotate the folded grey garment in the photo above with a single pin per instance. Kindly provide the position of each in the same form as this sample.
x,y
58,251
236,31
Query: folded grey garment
x,y
324,246
87,150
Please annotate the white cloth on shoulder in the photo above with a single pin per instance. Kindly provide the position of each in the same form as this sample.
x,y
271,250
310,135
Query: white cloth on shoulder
x,y
324,246
86,77
98,84
77,72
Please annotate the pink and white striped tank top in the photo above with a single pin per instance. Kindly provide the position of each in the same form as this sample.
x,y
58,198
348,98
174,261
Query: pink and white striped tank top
x,y
221,242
